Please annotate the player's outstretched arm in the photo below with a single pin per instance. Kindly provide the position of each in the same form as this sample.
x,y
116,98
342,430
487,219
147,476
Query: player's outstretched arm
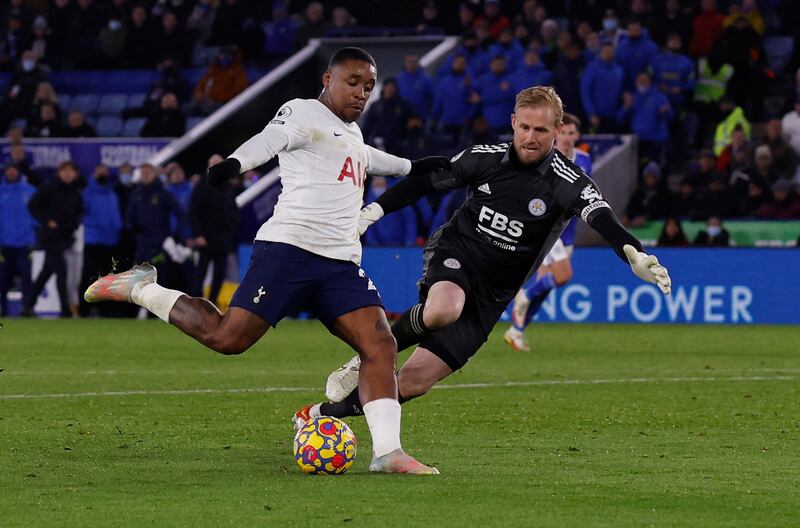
x,y
384,164
629,249
256,151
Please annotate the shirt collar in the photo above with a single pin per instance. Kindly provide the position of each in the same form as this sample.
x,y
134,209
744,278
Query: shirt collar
x,y
510,157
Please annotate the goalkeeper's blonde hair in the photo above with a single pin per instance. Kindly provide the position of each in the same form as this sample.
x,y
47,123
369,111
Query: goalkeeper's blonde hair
x,y
539,96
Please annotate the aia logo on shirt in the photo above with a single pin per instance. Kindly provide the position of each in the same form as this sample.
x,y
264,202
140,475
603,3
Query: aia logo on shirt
x,y
356,173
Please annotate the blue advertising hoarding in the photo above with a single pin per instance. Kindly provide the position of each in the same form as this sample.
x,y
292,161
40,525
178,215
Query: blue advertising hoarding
x,y
724,286
86,152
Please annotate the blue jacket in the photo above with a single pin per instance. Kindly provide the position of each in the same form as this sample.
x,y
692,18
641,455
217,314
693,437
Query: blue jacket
x,y
645,116
477,61
279,37
601,88
182,193
395,229
635,55
102,218
451,104
451,202
417,90
497,99
536,75
16,222
514,53
674,70
148,214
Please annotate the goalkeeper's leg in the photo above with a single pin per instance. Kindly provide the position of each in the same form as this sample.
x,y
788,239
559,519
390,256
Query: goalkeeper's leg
x,y
421,372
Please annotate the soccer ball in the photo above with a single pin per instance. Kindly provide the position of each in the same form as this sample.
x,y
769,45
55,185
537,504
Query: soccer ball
x,y
325,445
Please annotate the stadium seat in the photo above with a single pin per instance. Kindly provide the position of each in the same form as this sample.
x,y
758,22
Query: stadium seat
x,y
193,122
136,100
779,50
20,123
86,103
109,126
64,100
203,55
112,104
133,127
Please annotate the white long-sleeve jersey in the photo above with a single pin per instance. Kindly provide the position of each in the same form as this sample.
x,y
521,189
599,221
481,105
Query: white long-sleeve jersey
x,y
323,164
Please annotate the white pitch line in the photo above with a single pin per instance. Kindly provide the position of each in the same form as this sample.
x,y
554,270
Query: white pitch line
x,y
532,383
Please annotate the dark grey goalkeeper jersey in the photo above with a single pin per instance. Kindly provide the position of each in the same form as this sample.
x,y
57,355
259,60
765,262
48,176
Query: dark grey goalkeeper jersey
x,y
513,214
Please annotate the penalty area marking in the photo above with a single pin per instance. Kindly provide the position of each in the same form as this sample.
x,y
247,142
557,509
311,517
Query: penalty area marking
x,y
454,386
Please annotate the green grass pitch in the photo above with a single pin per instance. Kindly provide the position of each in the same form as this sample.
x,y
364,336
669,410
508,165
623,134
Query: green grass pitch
x,y
129,423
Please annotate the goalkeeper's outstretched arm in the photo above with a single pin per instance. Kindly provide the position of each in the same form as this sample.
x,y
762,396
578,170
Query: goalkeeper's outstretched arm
x,y
406,192
629,249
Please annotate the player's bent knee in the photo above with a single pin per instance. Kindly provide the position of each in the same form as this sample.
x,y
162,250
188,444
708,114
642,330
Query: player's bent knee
x,y
381,347
414,384
227,345
442,314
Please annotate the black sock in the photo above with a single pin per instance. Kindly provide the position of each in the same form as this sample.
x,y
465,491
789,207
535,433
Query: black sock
x,y
410,329
350,406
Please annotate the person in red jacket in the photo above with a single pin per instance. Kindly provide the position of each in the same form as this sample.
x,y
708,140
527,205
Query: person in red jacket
x,y
706,28
225,79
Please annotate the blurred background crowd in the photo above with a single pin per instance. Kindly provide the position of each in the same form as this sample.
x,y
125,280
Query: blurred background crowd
x,y
711,89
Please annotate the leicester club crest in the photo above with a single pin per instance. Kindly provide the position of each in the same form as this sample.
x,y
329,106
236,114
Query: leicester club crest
x,y
537,207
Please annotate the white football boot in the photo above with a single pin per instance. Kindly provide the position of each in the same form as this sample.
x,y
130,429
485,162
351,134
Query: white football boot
x,y
343,380
516,340
520,310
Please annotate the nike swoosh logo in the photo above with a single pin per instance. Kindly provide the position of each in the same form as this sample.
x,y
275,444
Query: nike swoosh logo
x,y
337,135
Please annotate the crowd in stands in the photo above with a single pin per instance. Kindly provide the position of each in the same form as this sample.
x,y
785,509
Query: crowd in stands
x,y
717,120
710,88
144,214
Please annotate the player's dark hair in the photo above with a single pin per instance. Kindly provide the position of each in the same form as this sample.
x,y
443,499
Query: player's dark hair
x,y
352,53
571,119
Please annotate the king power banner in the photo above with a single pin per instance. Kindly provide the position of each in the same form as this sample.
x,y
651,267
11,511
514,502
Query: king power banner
x,y
714,286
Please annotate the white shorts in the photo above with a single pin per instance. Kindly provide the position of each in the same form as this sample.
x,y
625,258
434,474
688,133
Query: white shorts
x,y
557,253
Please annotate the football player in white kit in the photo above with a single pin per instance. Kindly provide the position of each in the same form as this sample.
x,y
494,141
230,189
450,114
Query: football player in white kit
x,y
308,253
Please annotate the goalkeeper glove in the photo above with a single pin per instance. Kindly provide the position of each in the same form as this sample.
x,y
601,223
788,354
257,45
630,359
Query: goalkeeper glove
x,y
223,171
369,215
423,166
647,268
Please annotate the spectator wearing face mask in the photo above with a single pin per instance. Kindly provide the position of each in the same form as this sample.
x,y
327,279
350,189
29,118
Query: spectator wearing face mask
x,y
225,79
601,88
713,235
21,89
111,42
102,222
649,114
610,33
635,52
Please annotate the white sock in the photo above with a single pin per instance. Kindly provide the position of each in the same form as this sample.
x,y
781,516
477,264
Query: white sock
x,y
313,412
156,298
383,419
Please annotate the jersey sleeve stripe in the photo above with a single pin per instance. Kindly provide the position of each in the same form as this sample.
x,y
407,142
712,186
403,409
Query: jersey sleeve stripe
x,y
564,166
566,176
